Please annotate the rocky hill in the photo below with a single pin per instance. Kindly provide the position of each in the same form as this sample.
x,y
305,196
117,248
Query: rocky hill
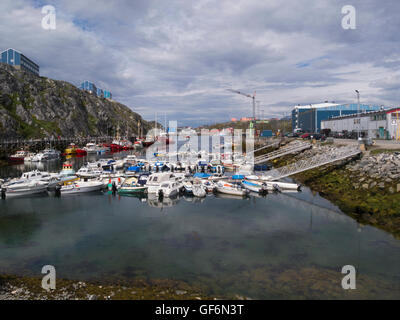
x,y
34,107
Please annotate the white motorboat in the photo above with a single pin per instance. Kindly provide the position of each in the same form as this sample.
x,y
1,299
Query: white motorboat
x,y
232,189
169,189
273,185
29,157
91,147
47,154
89,172
20,189
198,189
81,187
208,185
156,179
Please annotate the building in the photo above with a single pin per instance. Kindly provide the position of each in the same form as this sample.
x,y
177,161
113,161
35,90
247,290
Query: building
x,y
381,124
308,118
19,61
91,87
100,93
88,86
107,94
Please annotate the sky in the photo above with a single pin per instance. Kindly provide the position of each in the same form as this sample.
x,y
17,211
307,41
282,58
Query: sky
x,y
179,58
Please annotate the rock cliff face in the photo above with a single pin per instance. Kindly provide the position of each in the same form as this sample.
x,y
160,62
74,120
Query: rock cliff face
x,y
34,107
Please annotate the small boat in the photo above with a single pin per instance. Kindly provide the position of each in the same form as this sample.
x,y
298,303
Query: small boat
x,y
156,179
47,154
72,149
198,189
188,186
91,148
80,187
29,157
89,172
20,189
19,156
255,186
131,185
169,189
232,189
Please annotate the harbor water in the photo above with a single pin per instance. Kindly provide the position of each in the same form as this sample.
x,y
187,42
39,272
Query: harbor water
x,y
281,246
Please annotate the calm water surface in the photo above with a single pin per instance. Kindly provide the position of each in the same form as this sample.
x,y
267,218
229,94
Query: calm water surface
x,y
289,245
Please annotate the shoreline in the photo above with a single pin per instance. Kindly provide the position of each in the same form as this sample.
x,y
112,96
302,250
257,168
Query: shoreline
x,y
29,288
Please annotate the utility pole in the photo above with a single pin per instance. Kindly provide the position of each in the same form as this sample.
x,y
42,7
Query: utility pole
x,y
358,114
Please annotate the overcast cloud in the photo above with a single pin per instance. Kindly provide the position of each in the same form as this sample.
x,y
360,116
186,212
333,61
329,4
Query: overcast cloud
x,y
179,57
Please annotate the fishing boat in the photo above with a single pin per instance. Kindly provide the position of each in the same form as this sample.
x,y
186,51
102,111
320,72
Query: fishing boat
x,y
19,156
232,189
72,149
80,187
23,188
131,185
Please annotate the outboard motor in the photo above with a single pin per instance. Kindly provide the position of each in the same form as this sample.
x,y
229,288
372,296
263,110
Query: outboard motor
x,y
3,193
160,195
114,188
57,191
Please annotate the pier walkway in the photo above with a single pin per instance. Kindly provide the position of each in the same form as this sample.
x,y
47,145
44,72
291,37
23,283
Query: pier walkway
x,y
332,156
294,147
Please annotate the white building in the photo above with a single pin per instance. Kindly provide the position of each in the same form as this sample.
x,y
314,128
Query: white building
x,y
382,124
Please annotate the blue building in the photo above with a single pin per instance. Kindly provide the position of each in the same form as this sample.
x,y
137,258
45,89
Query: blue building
x,y
308,118
107,94
88,86
91,87
100,93
19,61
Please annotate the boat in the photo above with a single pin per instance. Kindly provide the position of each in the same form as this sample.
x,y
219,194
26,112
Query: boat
x,y
208,185
232,189
255,186
72,149
156,179
169,189
29,157
91,148
19,156
188,186
131,185
47,154
80,187
198,189
23,188
89,172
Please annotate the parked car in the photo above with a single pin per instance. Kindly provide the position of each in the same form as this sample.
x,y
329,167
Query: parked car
x,y
318,136
305,136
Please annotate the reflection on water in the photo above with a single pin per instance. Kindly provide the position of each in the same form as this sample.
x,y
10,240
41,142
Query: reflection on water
x,y
289,245
279,246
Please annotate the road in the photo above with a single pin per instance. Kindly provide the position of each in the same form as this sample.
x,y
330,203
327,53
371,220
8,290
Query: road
x,y
385,144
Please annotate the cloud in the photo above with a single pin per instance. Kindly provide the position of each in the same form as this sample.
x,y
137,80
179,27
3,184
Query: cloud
x,y
179,57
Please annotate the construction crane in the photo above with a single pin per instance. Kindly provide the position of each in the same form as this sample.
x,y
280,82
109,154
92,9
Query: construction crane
x,y
253,97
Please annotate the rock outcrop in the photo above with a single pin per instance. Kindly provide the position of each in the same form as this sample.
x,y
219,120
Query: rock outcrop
x,y
34,107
